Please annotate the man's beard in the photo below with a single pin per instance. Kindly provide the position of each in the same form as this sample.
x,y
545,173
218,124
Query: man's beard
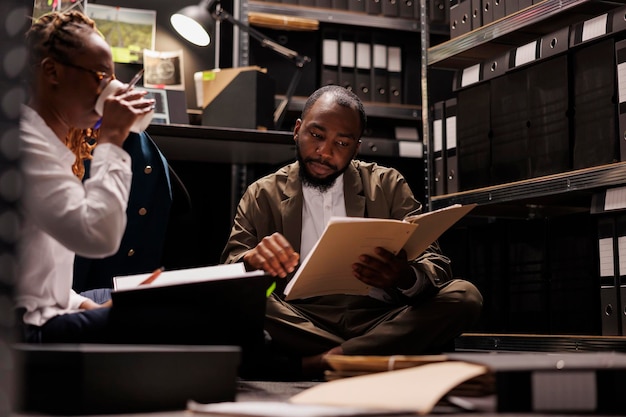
x,y
321,184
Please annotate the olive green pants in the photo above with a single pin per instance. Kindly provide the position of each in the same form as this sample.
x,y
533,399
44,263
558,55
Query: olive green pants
x,y
366,326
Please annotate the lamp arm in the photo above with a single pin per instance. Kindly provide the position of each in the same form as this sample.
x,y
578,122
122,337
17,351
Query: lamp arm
x,y
299,60
281,109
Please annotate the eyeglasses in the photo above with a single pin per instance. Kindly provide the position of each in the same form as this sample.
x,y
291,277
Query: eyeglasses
x,y
100,75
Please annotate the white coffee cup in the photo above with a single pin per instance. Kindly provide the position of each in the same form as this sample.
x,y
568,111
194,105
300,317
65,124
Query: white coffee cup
x,y
115,85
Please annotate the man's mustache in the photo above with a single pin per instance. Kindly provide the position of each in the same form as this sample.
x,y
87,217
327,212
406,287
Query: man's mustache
x,y
321,161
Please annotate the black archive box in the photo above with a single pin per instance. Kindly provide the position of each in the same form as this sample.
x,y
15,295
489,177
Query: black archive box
x,y
474,147
72,379
460,17
530,121
509,115
255,110
594,100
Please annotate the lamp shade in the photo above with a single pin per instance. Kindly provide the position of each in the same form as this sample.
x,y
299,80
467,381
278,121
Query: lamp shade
x,y
194,23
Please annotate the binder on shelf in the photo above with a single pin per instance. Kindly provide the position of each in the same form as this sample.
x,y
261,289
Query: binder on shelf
x,y
554,43
307,3
339,4
474,142
363,78
356,5
347,61
394,72
495,67
620,61
618,19
379,66
373,6
487,9
439,177
460,22
609,304
548,109
511,6
509,118
390,8
438,10
525,3
451,163
330,58
594,91
406,8
477,14
498,9
326,4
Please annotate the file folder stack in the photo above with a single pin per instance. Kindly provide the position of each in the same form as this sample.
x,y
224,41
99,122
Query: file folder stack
x,y
406,9
556,104
611,250
460,17
372,66
468,15
599,125
474,147
594,91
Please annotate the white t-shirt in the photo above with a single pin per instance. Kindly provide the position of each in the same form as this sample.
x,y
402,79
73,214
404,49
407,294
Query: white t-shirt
x,y
62,216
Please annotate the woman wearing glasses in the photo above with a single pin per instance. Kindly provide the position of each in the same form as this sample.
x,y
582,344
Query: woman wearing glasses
x,y
71,64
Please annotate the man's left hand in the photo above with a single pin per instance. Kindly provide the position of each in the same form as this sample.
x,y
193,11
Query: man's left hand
x,y
386,271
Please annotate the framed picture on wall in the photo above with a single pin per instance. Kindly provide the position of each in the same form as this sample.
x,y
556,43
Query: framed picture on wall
x,y
42,7
127,31
164,69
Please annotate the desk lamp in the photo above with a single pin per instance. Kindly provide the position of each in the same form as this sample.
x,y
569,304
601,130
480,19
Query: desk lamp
x,y
195,23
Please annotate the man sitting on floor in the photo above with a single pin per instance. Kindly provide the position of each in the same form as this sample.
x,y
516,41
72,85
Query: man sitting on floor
x,y
415,306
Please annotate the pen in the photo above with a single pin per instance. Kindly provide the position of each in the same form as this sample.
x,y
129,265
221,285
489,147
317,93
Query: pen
x,y
152,277
131,84
135,79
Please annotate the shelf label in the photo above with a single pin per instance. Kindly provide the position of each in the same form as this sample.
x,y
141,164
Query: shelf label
x,y
437,135
526,53
615,199
595,27
621,82
621,253
451,132
605,250
470,75
410,149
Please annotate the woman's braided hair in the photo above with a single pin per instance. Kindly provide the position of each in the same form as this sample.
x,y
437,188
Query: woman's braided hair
x,y
56,35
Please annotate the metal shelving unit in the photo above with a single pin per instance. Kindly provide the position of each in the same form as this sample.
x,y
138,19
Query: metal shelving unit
x,y
336,16
567,182
513,30
489,40
400,112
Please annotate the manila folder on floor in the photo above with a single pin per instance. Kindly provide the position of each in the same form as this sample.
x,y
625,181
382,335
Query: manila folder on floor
x,y
328,267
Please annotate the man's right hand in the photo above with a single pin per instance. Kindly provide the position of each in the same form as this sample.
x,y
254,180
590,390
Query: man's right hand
x,y
274,255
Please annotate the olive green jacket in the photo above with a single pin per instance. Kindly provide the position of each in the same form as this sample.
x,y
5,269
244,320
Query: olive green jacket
x,y
274,204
